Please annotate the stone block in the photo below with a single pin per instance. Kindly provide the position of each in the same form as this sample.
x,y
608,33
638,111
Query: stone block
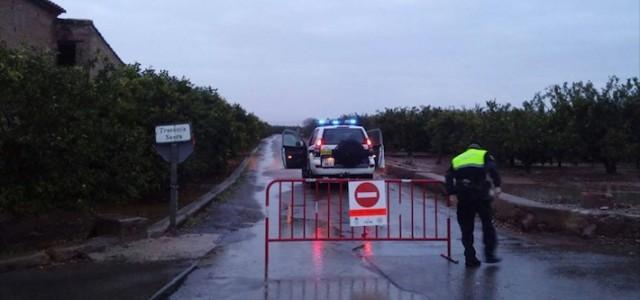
x,y
99,244
123,227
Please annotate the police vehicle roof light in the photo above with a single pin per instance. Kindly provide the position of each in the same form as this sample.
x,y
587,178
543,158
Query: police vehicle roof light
x,y
322,121
352,121
335,122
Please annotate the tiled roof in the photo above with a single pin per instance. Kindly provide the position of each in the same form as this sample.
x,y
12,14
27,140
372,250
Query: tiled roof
x,y
52,7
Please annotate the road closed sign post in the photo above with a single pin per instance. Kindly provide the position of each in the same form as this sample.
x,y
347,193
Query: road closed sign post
x,y
367,203
174,143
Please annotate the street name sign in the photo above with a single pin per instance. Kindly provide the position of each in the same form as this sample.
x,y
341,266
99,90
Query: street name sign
x,y
367,203
173,133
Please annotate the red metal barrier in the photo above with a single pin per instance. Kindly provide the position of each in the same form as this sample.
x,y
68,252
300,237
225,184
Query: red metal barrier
x,y
322,192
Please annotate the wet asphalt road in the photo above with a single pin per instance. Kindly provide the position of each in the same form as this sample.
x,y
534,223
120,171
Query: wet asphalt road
x,y
532,269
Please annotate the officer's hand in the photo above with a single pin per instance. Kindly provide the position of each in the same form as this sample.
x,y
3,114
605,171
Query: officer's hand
x,y
497,192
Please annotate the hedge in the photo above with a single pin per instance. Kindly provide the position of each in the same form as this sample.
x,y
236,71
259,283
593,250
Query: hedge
x,y
70,141
572,122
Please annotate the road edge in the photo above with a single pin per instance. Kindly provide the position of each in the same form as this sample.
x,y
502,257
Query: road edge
x,y
160,228
171,286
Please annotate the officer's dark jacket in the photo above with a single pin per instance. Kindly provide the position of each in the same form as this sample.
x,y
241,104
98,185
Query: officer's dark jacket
x,y
473,176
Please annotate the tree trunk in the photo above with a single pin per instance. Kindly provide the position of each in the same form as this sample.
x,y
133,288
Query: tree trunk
x,y
527,167
559,164
512,162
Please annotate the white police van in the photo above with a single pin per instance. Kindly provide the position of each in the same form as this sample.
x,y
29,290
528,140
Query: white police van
x,y
335,148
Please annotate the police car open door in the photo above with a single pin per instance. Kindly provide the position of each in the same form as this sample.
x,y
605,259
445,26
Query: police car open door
x,y
293,150
375,135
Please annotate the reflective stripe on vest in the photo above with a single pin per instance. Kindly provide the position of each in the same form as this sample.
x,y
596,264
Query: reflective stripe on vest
x,y
470,158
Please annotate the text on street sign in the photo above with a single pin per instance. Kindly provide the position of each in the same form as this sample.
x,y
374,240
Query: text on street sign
x,y
173,133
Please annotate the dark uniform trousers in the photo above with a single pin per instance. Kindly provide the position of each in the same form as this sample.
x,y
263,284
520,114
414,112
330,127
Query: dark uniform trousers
x,y
470,203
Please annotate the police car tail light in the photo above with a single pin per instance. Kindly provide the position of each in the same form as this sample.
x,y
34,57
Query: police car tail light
x,y
316,147
367,144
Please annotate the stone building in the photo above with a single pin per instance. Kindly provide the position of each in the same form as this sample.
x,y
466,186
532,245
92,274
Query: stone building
x,y
36,24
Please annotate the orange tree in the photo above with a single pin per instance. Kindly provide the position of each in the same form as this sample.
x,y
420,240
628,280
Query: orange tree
x,y
71,141
574,122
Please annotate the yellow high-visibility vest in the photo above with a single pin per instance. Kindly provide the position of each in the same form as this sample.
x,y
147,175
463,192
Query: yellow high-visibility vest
x,y
470,158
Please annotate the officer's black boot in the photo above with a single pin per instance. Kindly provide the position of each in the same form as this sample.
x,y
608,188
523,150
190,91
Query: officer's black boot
x,y
470,259
472,262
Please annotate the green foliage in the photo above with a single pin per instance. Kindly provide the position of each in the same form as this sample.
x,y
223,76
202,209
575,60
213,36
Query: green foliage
x,y
445,134
567,123
71,141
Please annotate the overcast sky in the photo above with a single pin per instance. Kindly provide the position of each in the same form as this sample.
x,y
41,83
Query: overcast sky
x,y
288,60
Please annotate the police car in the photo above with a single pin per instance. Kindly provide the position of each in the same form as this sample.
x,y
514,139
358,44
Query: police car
x,y
336,148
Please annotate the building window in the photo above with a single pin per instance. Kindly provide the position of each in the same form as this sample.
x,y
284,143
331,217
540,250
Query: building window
x,y
67,53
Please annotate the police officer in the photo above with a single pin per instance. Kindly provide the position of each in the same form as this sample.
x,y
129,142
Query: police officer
x,y
467,178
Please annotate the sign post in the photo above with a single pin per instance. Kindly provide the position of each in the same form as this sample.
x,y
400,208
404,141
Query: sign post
x,y
367,203
174,144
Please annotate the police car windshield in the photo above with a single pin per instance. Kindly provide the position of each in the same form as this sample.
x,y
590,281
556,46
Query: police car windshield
x,y
334,136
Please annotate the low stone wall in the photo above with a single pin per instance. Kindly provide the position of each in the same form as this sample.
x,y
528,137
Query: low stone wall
x,y
535,216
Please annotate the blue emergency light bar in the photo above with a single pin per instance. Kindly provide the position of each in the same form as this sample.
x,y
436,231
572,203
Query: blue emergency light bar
x,y
323,122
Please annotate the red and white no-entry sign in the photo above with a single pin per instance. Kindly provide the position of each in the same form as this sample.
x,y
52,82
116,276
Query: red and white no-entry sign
x,y
367,203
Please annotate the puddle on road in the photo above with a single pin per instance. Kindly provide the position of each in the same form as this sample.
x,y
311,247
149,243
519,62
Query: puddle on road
x,y
236,236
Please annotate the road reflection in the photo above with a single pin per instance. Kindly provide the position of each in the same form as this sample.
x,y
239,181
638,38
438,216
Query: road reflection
x,y
348,288
367,250
479,284
317,249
